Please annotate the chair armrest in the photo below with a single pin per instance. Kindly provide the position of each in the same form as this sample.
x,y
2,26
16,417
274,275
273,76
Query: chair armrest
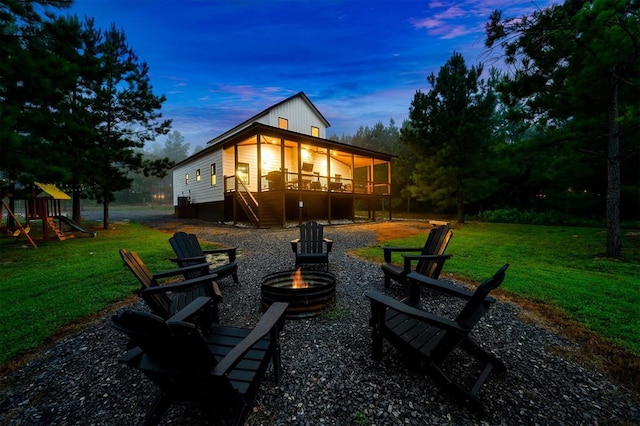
x,y
193,308
388,250
184,285
268,322
408,258
180,271
199,259
415,278
378,298
294,245
329,244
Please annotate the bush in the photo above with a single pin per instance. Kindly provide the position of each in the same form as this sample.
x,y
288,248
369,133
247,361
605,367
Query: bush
x,y
537,218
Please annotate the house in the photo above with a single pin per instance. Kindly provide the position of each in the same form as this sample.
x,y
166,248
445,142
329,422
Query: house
x,y
278,167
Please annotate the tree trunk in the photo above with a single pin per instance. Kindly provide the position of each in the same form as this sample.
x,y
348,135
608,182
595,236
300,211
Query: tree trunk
x,y
12,204
613,177
460,206
105,211
75,208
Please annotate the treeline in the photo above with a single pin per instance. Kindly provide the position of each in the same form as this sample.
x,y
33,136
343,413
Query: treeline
x,y
76,104
556,133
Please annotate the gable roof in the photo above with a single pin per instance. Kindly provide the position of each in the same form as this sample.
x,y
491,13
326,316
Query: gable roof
x,y
265,112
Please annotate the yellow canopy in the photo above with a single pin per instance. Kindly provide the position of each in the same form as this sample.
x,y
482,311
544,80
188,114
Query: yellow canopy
x,y
51,191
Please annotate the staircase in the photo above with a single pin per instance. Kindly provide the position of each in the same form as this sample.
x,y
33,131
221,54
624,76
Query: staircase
x,y
54,227
271,212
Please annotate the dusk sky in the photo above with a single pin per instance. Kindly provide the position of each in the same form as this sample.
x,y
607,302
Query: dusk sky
x,y
360,62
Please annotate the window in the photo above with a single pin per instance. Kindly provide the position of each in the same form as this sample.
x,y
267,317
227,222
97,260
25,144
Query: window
x,y
243,172
198,175
315,131
283,123
213,174
186,179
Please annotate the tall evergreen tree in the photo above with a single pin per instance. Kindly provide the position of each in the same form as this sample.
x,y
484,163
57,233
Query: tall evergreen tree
x,y
129,116
31,74
449,129
577,66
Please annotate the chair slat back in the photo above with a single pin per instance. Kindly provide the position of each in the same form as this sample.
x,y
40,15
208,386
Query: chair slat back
x,y
476,307
311,235
436,244
177,345
186,245
160,302
471,313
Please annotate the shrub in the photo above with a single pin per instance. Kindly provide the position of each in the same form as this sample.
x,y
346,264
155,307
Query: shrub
x,y
537,218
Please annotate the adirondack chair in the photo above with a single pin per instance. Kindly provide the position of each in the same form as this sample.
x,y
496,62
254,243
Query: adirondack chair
x,y
221,368
189,252
165,300
309,248
427,339
429,259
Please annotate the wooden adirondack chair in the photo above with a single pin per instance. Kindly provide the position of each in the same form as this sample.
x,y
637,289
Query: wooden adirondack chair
x,y
429,259
222,368
189,252
167,299
428,339
310,247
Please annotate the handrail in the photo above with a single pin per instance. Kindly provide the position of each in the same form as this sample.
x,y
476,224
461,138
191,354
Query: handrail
x,y
242,191
242,185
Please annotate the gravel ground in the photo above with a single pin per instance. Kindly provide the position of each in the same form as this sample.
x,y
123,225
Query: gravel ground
x,y
329,377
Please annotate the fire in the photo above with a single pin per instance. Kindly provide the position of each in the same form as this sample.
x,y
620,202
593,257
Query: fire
x,y
298,281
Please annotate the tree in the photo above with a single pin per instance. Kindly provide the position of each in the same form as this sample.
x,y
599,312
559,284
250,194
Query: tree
x,y
31,74
449,129
577,65
129,116
174,148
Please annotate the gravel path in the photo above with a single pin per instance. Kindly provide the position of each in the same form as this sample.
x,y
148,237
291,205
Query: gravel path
x,y
329,377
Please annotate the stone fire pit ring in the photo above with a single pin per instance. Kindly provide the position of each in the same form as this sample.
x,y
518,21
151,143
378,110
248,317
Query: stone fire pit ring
x,y
303,302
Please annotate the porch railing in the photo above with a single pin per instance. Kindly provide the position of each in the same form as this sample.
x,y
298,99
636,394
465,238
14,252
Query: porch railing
x,y
246,199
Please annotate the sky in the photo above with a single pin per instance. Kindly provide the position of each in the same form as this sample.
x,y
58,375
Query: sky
x,y
359,61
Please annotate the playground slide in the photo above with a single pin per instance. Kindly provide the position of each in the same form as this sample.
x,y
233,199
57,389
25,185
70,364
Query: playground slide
x,y
73,225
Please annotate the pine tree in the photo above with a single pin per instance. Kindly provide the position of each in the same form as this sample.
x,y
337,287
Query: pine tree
x,y
577,68
449,128
129,115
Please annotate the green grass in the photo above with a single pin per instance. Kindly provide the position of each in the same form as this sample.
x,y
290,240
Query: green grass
x,y
556,265
61,282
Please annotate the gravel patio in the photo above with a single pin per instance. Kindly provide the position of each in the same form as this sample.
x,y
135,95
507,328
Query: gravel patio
x,y
329,377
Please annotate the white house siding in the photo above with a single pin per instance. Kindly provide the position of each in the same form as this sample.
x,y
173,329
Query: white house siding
x,y
339,168
299,114
203,191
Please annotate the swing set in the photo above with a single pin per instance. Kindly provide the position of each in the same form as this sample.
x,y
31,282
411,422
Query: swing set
x,y
46,207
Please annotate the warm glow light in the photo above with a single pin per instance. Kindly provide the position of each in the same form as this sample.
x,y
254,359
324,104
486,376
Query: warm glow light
x,y
298,282
306,155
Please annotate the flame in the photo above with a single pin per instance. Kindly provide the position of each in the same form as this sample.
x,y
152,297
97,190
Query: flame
x,y
298,281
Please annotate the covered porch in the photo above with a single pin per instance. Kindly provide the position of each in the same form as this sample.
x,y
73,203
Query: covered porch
x,y
273,176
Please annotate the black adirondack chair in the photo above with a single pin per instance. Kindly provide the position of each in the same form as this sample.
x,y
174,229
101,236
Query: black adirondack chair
x,y
310,247
221,368
188,252
427,339
165,300
429,259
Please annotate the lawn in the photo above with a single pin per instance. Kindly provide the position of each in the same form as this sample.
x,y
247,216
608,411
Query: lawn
x,y
61,282
559,266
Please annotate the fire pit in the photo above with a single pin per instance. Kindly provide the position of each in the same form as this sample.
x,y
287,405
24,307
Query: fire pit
x,y
306,291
